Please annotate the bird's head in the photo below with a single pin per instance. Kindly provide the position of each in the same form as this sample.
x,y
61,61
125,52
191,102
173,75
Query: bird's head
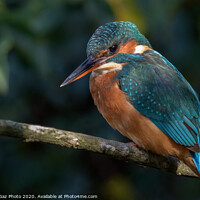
x,y
105,47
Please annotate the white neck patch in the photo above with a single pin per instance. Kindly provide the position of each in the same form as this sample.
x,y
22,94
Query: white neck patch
x,y
141,48
112,66
107,67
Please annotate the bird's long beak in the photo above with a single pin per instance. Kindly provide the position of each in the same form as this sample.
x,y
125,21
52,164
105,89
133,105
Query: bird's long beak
x,y
87,66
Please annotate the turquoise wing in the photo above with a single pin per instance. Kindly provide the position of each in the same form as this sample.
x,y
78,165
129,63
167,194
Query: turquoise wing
x,y
159,91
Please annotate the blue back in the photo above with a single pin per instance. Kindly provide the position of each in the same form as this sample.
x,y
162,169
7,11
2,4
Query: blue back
x,y
158,90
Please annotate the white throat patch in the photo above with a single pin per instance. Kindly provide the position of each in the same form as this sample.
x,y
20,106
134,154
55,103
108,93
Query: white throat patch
x,y
107,67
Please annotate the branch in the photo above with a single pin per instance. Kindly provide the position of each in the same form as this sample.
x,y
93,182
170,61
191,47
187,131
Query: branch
x,y
118,150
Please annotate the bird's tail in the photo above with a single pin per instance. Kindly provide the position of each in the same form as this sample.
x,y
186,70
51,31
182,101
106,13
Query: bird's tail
x,y
196,159
195,155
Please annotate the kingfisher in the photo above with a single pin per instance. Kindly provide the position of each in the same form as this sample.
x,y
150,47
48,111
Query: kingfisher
x,y
141,94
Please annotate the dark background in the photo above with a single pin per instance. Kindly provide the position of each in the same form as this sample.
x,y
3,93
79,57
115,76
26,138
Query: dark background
x,y
41,42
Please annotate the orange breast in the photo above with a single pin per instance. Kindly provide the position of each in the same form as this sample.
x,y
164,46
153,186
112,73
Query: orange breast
x,y
121,115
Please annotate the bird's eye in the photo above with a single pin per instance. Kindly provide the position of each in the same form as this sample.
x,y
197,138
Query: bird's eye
x,y
113,48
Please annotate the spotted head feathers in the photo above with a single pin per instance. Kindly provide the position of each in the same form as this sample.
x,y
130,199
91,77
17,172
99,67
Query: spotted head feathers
x,y
113,35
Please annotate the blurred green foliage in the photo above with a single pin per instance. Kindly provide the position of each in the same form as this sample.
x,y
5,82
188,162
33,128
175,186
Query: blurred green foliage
x,y
5,45
41,42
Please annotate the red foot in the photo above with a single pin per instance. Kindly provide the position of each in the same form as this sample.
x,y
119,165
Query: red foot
x,y
132,143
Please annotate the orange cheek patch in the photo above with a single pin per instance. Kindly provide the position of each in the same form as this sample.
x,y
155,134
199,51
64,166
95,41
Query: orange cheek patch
x,y
102,53
128,47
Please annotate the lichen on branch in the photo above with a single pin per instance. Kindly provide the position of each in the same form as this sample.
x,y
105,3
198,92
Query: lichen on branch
x,y
118,150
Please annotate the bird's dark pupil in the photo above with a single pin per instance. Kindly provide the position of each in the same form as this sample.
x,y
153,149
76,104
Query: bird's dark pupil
x,y
113,48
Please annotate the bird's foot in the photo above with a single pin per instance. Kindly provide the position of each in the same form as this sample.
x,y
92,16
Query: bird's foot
x,y
132,143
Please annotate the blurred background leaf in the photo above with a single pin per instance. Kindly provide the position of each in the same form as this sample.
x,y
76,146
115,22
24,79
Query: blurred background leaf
x,y
41,42
128,10
5,46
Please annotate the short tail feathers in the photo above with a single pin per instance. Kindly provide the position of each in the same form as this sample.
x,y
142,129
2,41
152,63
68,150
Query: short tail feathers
x,y
196,159
195,155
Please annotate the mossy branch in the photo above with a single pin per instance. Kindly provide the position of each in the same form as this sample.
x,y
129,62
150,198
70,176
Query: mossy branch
x,y
118,150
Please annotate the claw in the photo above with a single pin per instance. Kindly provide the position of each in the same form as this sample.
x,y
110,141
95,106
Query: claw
x,y
132,143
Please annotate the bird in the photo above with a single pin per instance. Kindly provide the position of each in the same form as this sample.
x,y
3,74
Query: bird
x,y
141,94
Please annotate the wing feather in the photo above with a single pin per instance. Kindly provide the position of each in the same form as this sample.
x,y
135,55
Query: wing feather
x,y
159,91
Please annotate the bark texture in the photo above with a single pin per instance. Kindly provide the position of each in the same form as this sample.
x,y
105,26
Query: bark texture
x,y
118,150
